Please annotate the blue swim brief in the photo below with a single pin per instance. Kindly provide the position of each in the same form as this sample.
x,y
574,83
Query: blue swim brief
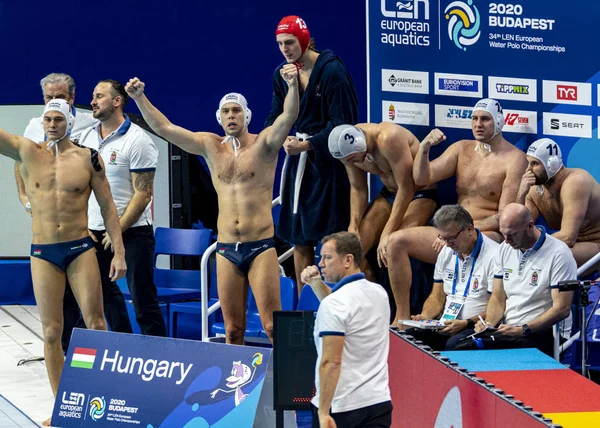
x,y
419,194
62,254
242,254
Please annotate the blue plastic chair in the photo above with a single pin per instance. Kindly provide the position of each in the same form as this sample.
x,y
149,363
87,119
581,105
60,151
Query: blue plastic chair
x,y
174,285
194,308
308,300
288,295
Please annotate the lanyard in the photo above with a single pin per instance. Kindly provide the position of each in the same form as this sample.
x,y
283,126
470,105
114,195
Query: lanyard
x,y
456,276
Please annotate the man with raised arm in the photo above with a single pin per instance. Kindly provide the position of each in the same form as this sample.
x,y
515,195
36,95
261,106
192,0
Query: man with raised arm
x,y
352,340
488,171
59,177
567,198
242,167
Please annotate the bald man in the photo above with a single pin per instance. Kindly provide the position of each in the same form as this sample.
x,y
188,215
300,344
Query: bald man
x,y
568,199
488,171
523,307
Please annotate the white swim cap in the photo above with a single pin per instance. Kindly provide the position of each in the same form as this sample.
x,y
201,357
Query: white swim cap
x,y
548,153
240,100
492,107
345,140
62,107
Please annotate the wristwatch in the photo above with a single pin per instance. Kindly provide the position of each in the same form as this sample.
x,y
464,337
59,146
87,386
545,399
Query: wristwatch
x,y
526,330
470,323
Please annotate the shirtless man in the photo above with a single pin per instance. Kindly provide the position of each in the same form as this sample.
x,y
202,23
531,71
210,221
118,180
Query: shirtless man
x,y
567,198
242,173
488,171
54,85
59,177
386,150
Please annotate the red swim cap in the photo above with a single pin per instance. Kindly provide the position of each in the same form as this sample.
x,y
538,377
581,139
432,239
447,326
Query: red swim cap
x,y
296,26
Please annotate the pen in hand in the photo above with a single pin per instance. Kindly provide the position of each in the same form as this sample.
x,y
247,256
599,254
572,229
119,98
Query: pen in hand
x,y
482,320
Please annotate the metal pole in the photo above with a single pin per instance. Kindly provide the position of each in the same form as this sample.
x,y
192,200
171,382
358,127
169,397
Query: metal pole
x,y
279,418
583,338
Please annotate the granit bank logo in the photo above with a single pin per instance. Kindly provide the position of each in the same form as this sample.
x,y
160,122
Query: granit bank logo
x,y
412,82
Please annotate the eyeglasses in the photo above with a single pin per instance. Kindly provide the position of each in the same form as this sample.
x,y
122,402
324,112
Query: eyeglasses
x,y
451,238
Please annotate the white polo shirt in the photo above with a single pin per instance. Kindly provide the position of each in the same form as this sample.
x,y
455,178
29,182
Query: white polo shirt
x,y
476,271
128,149
83,120
527,276
359,310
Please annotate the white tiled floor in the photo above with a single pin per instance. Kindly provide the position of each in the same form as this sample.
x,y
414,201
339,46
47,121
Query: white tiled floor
x,y
25,386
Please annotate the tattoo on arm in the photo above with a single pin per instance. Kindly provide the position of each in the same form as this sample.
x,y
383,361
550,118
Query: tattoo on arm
x,y
144,181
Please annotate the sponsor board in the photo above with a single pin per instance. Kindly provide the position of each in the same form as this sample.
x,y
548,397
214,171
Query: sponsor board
x,y
405,113
453,116
567,92
520,121
464,85
567,125
119,380
412,82
510,88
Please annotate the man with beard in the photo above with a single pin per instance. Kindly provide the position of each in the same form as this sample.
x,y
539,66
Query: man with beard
x,y
130,157
568,199
487,170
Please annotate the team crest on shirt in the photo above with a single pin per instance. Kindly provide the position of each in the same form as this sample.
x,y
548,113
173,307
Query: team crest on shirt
x,y
113,158
475,284
535,276
507,273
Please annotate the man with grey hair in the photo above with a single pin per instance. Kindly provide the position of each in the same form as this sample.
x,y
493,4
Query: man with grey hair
x,y
462,280
54,86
